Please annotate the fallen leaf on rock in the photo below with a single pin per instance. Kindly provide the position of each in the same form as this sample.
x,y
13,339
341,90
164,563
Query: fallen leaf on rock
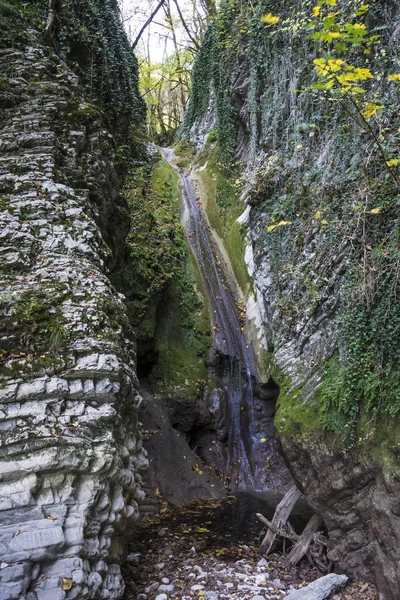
x,y
67,584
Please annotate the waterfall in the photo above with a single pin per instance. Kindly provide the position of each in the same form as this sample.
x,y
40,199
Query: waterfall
x,y
246,458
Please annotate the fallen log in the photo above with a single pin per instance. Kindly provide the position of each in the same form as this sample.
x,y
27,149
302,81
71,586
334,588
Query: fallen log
x,y
303,543
281,515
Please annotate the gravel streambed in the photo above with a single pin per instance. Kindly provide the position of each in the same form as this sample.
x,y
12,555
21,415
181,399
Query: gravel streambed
x,y
204,550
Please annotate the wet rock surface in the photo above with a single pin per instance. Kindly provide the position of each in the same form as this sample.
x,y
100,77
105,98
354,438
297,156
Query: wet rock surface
x,y
174,471
71,453
208,550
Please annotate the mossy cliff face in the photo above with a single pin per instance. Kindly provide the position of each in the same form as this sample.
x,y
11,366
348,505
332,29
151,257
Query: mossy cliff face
x,y
71,452
321,204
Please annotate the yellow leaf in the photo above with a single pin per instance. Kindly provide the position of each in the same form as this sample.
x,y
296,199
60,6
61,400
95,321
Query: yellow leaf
x,y
270,19
284,223
202,530
324,222
394,77
318,214
393,162
67,584
371,109
271,227
263,440
357,207
331,2
316,11
364,73
329,36
335,65
375,211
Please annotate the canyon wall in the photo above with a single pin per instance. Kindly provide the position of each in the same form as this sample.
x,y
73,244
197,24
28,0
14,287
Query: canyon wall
x,y
321,228
71,453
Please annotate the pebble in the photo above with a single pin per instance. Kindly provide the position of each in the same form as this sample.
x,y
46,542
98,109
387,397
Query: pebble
x,y
262,564
133,558
152,588
165,580
166,588
278,585
162,597
163,532
197,587
160,566
258,598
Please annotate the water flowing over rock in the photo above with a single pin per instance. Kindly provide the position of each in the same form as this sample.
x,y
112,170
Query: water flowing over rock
x,y
71,454
249,435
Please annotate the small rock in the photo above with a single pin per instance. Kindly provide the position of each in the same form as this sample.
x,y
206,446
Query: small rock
x,y
165,580
258,598
197,587
133,558
160,566
152,588
262,564
163,531
141,597
166,588
161,597
278,585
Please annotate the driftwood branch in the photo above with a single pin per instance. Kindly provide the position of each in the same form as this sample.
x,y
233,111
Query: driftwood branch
x,y
146,24
302,546
290,536
280,517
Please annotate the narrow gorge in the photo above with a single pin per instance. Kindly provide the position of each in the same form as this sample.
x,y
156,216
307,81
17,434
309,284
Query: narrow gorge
x,y
188,332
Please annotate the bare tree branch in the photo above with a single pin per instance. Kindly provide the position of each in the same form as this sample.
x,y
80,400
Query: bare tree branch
x,y
147,23
192,39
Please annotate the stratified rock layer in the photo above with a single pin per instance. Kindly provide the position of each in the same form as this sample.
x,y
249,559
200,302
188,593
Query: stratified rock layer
x,y
70,451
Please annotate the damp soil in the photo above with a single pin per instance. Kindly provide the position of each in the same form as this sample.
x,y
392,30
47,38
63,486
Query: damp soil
x,y
209,548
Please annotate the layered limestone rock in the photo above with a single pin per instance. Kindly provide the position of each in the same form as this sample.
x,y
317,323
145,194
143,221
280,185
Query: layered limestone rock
x,y
71,454
316,278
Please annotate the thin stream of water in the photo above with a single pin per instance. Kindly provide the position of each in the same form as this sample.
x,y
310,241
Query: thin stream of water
x,y
244,452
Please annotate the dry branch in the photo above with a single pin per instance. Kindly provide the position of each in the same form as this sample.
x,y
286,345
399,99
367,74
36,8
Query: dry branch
x,y
280,517
302,546
290,536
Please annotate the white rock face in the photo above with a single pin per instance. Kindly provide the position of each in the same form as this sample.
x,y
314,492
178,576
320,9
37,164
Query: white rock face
x,y
70,451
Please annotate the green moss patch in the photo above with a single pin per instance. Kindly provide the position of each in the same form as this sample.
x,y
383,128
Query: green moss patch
x,y
165,301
